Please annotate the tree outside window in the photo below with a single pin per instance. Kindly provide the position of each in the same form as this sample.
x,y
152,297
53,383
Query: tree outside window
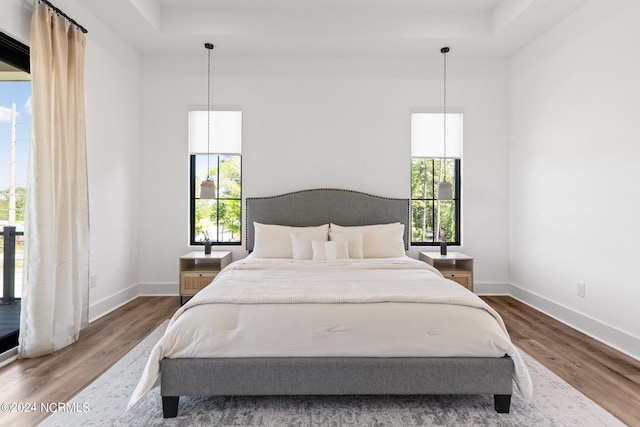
x,y
433,220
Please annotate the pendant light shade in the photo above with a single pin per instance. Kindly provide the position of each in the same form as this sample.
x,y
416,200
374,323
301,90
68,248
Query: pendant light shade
x,y
208,189
445,189
208,186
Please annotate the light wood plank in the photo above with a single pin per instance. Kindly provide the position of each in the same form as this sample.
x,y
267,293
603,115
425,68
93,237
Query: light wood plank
x,y
635,378
600,372
62,375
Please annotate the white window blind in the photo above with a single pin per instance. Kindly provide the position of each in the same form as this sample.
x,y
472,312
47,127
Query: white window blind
x,y
225,132
427,135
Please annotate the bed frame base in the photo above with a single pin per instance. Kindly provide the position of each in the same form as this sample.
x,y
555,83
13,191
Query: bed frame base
x,y
335,376
502,403
170,404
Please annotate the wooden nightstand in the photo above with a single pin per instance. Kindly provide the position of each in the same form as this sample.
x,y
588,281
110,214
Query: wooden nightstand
x,y
454,265
197,270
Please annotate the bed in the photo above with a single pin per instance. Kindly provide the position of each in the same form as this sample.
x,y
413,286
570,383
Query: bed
x,y
328,303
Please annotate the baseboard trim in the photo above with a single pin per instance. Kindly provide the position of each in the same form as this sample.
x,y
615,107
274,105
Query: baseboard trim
x,y
109,304
613,337
8,356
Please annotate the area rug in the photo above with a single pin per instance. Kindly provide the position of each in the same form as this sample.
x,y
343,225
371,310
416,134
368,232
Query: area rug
x,y
555,403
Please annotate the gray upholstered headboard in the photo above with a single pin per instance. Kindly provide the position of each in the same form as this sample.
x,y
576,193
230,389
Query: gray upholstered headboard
x,y
323,206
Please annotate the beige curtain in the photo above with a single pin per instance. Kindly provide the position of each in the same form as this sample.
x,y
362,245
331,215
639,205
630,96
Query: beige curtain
x,y
56,270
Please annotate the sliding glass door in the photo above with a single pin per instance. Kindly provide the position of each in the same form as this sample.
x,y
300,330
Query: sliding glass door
x,y
15,136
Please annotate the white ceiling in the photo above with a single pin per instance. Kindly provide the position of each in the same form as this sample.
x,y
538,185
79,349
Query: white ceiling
x,y
472,28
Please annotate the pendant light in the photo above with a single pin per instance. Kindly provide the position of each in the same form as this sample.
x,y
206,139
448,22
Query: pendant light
x,y
208,187
445,190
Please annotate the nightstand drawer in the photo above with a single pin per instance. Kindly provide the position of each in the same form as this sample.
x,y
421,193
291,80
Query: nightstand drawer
x,y
193,282
464,279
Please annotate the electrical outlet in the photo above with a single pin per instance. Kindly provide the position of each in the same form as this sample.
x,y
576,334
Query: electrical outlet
x,y
93,281
581,289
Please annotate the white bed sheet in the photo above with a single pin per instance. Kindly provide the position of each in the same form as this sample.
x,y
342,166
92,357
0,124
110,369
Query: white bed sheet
x,y
397,307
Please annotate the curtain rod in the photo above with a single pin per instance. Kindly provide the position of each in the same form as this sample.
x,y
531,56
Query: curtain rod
x,y
65,16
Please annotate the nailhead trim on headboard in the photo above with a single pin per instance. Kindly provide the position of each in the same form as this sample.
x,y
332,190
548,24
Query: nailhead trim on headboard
x,y
387,210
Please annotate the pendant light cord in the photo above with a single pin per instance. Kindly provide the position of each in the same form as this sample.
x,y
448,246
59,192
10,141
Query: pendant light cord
x,y
209,46
208,186
444,51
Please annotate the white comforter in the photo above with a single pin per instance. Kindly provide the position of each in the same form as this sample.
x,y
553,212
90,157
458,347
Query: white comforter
x,y
397,307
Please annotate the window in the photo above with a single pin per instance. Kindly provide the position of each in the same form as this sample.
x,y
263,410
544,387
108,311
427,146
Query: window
x,y
15,136
221,161
435,220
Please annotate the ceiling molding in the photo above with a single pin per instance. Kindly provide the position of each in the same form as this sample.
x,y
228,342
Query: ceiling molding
x,y
475,28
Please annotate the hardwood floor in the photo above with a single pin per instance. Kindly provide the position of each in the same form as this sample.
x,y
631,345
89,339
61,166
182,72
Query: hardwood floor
x,y
607,376
62,375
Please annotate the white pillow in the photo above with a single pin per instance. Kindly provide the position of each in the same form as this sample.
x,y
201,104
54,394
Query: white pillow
x,y
301,242
372,227
378,241
354,242
330,250
273,241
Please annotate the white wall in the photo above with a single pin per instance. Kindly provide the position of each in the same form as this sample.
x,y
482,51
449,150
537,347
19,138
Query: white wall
x,y
112,103
113,135
575,104
321,122
15,19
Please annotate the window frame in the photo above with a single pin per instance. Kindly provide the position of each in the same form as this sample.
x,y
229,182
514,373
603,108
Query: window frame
x,y
16,54
193,177
193,198
456,198
457,182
